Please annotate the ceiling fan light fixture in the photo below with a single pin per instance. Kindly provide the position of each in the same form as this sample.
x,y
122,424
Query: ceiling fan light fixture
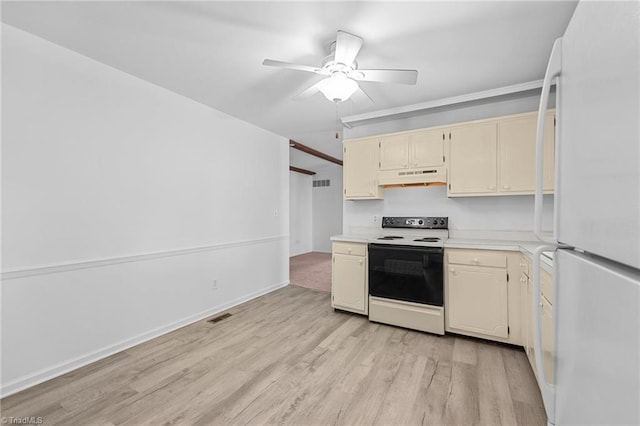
x,y
339,88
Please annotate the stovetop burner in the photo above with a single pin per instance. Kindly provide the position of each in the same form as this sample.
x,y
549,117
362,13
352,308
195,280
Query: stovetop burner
x,y
427,240
421,231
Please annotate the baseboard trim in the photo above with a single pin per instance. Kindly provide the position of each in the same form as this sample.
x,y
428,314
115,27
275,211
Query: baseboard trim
x,y
94,263
41,376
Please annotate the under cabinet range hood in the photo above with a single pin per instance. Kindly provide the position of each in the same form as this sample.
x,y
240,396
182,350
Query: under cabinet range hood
x,y
426,176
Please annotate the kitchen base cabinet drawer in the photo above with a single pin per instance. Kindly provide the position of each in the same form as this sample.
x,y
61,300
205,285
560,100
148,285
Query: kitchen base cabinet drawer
x,y
407,314
478,258
356,249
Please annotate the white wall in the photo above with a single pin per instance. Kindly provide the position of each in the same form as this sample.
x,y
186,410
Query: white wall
x,y
510,213
122,202
300,208
327,207
503,213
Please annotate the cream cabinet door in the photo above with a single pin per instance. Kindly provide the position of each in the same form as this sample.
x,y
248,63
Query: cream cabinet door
x,y
516,145
548,345
517,154
360,169
473,162
427,149
348,283
394,152
528,310
477,300
527,319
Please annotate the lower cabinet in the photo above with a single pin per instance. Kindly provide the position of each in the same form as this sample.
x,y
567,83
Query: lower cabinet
x,y
548,329
480,300
349,277
528,318
527,311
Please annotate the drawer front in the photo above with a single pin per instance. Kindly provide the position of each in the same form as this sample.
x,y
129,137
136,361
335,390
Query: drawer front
x,y
357,249
546,285
407,314
478,258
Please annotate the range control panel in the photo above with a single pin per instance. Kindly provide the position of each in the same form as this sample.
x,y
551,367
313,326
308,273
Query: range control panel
x,y
416,222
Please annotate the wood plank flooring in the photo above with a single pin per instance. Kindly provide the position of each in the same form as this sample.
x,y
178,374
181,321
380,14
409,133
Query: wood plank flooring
x,y
288,358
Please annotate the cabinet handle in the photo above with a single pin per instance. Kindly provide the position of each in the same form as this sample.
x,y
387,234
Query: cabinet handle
x,y
521,264
348,250
475,260
360,261
404,165
506,187
491,187
453,271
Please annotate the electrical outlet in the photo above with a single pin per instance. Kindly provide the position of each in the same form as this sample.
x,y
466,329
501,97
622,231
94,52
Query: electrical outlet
x,y
375,219
214,285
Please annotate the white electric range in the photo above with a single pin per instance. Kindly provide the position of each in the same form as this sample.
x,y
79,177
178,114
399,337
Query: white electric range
x,y
406,275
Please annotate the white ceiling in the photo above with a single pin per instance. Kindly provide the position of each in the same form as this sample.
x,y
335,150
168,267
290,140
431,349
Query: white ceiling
x,y
212,52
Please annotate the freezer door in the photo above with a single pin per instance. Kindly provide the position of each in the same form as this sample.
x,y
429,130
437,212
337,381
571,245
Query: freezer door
x,y
597,311
598,149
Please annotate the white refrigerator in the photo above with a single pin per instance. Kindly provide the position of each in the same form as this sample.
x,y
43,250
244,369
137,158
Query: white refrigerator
x,y
596,238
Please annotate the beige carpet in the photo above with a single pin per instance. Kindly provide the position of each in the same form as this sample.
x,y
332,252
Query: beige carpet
x,y
311,270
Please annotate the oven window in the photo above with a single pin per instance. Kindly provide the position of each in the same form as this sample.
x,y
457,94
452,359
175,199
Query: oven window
x,y
412,274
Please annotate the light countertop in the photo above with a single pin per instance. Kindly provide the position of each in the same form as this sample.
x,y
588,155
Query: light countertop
x,y
352,238
523,242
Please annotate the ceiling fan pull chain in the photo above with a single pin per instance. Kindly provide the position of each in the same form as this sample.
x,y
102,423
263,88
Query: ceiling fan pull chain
x,y
337,120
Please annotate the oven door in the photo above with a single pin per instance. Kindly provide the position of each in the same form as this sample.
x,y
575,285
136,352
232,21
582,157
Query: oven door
x,y
412,274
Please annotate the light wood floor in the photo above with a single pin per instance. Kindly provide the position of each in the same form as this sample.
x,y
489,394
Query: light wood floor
x,y
288,358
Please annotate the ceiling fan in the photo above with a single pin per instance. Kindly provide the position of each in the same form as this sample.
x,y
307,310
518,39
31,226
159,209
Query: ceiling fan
x,y
342,71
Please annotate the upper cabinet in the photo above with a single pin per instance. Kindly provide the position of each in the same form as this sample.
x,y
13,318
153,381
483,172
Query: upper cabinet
x,y
497,157
517,154
360,169
485,157
473,163
416,157
427,148
394,152
410,150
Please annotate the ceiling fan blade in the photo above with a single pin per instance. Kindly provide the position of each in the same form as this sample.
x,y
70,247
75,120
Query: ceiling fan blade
x,y
347,48
310,91
289,65
386,76
360,96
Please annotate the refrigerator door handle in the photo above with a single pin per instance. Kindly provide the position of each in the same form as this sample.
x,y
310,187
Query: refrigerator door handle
x,y
554,68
